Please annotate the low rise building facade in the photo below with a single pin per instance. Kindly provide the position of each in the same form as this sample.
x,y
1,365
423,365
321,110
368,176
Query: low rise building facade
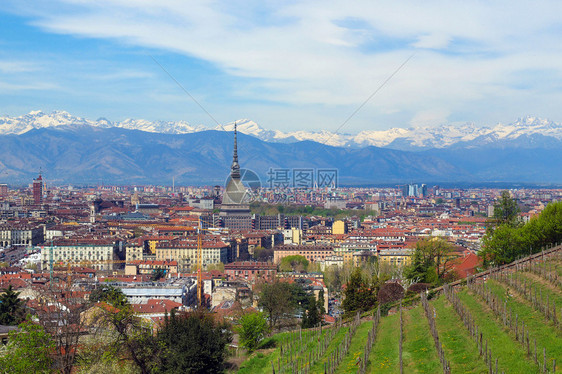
x,y
251,271
100,254
312,253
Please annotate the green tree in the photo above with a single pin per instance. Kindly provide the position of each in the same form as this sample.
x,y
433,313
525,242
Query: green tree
x,y
321,301
253,329
131,337
277,301
299,296
352,300
109,294
311,316
507,242
28,351
360,294
263,254
136,342
430,260
294,263
506,209
218,266
97,357
333,278
158,274
503,245
194,343
12,311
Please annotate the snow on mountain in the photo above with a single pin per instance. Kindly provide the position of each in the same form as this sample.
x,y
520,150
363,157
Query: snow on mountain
x,y
164,127
38,119
399,138
249,127
448,135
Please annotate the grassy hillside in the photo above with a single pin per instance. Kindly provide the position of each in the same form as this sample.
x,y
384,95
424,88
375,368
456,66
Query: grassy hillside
x,y
512,320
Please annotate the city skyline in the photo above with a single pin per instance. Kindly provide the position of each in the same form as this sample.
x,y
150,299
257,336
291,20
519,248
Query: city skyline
x,y
296,66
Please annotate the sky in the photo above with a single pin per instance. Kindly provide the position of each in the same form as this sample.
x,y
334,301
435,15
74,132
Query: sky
x,y
287,65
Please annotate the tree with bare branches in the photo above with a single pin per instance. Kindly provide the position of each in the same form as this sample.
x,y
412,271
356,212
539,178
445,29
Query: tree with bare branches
x,y
126,335
58,313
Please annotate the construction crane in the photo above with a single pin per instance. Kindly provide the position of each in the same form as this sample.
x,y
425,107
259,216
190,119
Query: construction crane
x,y
199,266
71,264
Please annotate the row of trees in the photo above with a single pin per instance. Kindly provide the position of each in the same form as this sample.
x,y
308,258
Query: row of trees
x,y
508,238
271,209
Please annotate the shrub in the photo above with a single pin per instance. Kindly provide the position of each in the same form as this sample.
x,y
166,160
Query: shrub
x,y
390,292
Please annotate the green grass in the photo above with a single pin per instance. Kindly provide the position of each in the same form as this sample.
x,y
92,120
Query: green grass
x,y
460,350
539,328
547,288
384,355
553,264
319,366
260,361
356,349
511,355
419,353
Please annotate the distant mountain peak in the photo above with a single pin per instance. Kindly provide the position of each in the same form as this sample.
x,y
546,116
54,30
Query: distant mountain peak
x,y
411,138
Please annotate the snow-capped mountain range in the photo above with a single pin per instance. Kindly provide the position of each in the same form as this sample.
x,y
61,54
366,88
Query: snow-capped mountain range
x,y
399,138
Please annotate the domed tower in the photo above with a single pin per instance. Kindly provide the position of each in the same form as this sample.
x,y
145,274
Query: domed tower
x,y
235,211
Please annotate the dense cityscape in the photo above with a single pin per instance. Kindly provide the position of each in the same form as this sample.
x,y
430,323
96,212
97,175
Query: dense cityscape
x,y
279,187
169,249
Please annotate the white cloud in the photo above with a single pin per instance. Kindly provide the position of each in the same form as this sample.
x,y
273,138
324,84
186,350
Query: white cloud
x,y
336,53
9,67
15,87
434,41
432,117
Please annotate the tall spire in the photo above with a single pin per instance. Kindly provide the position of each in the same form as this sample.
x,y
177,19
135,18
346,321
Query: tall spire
x,y
235,168
235,157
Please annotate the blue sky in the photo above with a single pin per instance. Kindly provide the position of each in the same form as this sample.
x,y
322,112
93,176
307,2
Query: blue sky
x,y
303,65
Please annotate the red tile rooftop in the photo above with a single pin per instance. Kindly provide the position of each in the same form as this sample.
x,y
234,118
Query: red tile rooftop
x,y
153,262
14,282
163,237
156,306
181,208
466,264
249,264
81,269
83,241
107,307
125,278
